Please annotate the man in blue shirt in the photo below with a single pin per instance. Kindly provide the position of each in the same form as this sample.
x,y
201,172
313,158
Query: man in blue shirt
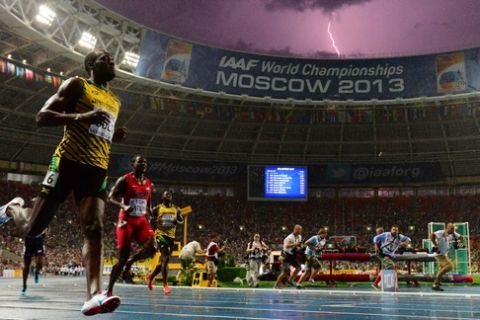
x,y
387,244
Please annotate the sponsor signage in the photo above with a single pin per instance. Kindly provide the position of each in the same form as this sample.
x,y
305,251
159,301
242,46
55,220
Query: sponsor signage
x,y
318,175
180,170
196,66
375,173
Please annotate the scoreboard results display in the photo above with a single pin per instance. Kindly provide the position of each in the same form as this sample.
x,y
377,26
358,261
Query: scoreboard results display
x,y
277,183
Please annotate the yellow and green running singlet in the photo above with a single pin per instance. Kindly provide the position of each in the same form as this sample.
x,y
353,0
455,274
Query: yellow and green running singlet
x,y
166,221
90,143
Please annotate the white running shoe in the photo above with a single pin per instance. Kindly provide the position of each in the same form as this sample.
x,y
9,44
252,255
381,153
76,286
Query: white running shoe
x,y
100,303
3,209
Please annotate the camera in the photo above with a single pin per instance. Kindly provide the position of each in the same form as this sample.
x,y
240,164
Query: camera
x,y
458,244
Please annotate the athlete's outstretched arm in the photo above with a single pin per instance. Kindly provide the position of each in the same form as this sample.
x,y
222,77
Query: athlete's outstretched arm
x,y
55,112
115,195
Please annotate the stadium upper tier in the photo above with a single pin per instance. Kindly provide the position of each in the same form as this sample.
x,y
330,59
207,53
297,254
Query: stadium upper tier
x,y
172,120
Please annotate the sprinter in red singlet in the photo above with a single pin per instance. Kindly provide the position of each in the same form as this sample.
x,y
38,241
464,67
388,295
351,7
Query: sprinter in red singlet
x,y
132,194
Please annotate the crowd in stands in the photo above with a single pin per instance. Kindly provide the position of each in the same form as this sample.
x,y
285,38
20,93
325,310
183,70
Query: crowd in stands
x,y
236,219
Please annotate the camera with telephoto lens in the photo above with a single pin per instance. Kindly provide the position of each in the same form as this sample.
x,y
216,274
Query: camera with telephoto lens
x,y
458,244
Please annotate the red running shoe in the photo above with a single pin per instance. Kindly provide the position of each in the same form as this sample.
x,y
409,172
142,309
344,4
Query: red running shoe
x,y
150,283
166,289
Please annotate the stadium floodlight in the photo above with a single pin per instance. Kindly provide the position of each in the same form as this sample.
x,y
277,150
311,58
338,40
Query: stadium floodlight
x,y
45,15
131,59
87,41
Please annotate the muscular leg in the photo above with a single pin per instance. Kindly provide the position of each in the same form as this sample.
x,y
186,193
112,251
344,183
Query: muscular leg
x,y
27,261
163,265
91,220
123,255
38,266
147,251
35,220
165,269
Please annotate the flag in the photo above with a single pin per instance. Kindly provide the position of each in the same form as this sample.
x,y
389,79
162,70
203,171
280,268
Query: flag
x,y
29,75
3,66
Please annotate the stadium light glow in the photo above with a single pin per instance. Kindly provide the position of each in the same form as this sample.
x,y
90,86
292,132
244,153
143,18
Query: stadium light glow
x,y
45,15
87,41
130,59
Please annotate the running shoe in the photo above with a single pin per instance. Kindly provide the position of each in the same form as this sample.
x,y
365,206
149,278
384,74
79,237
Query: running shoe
x,y
150,283
100,303
24,292
166,289
437,288
375,286
37,276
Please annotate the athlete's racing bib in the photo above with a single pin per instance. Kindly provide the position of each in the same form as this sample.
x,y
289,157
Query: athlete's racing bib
x,y
104,130
139,207
168,220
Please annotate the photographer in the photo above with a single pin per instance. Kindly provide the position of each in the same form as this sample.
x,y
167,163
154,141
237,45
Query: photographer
x,y
387,245
255,252
315,246
291,244
441,241
213,250
187,259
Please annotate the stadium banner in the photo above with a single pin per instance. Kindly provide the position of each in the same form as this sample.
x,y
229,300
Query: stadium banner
x,y
181,170
374,173
217,70
318,175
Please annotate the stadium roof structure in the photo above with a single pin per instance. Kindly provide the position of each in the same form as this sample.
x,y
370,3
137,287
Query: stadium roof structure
x,y
171,121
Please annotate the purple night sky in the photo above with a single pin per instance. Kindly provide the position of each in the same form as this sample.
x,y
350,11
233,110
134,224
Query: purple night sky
x,y
370,28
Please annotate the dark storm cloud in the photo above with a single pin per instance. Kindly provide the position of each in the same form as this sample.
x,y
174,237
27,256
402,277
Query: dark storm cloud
x,y
287,51
302,5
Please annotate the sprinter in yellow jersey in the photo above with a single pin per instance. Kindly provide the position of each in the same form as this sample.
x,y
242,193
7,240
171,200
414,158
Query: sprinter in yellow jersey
x,y
167,217
88,110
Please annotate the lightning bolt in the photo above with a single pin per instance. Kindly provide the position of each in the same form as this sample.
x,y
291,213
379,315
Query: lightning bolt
x,y
331,36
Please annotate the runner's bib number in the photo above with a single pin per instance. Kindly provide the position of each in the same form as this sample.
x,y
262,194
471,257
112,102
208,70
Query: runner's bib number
x,y
139,207
104,130
51,179
168,221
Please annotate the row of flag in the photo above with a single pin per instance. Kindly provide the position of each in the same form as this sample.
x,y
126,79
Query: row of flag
x,y
13,69
391,114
